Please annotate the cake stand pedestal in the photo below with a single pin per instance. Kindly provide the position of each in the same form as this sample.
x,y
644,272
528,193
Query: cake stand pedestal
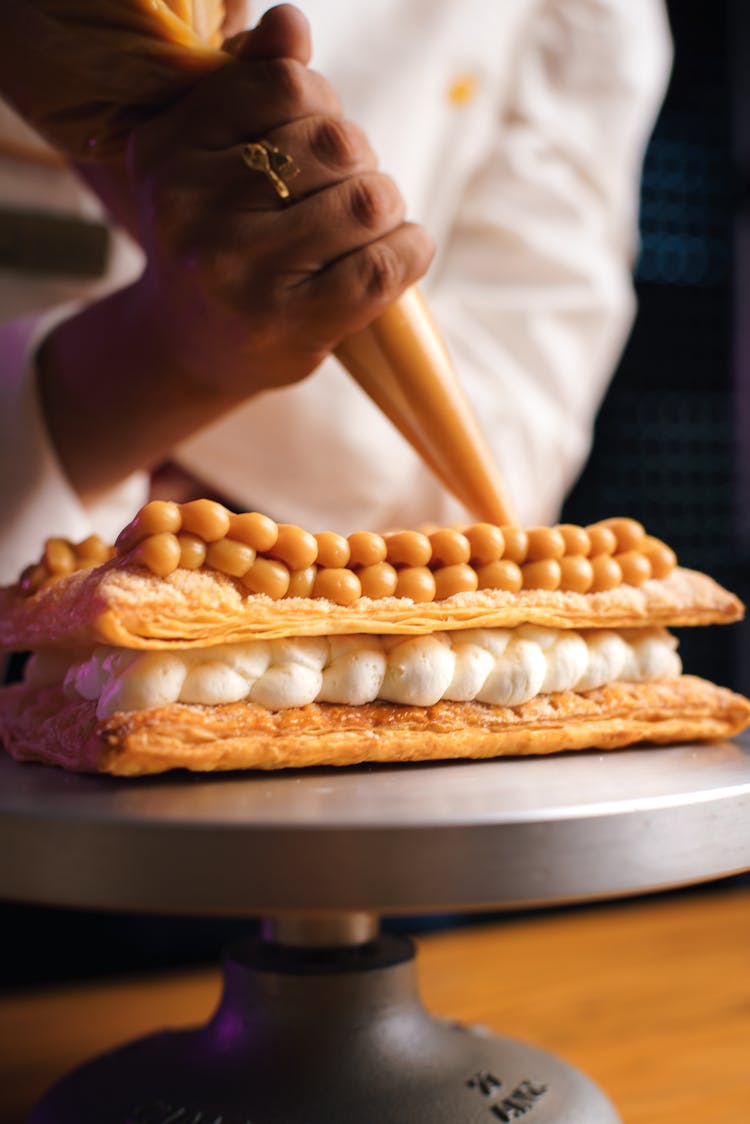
x,y
320,1020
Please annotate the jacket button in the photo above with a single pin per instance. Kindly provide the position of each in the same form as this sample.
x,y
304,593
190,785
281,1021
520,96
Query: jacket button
x,y
463,89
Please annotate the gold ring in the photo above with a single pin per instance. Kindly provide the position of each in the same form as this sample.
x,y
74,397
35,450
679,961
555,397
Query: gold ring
x,y
276,166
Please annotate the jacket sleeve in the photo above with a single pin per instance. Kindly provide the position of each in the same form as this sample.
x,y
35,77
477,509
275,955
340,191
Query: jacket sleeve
x,y
36,499
533,290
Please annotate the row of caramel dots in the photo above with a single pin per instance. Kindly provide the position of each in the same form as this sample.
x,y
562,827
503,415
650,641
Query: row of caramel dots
x,y
61,557
283,560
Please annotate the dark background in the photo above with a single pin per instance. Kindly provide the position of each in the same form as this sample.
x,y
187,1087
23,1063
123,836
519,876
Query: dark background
x,y
670,445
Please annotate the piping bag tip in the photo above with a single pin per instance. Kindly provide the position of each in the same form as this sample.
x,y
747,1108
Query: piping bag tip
x,y
402,363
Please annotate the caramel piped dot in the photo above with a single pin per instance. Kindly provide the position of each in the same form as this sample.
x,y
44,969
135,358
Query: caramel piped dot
x,y
516,544
662,558
160,515
486,542
205,518
417,583
603,540
449,548
408,548
576,539
155,517
159,552
339,585
295,547
543,543
192,551
266,575
94,548
233,558
366,549
628,532
545,573
501,574
333,550
85,564
59,557
607,573
459,578
576,573
635,567
301,582
378,580
253,529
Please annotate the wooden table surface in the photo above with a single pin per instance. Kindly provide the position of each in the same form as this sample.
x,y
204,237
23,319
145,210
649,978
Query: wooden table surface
x,y
650,998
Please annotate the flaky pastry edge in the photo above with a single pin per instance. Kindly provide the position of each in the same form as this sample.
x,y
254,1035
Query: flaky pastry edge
x,y
44,725
128,606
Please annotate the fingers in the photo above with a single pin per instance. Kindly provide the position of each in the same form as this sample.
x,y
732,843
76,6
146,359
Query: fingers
x,y
334,259
341,219
351,292
325,150
212,209
286,246
240,102
289,281
283,32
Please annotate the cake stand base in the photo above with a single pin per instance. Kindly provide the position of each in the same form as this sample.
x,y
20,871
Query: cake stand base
x,y
310,1035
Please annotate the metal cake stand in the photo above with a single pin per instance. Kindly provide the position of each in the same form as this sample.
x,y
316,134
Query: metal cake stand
x,y
320,1019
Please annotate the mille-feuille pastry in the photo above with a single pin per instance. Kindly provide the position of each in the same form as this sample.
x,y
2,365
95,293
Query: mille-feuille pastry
x,y
209,640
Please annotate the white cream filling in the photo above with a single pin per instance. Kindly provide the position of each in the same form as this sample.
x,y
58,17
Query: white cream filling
x,y
504,667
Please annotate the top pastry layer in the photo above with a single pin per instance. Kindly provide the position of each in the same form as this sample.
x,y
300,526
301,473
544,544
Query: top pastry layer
x,y
124,604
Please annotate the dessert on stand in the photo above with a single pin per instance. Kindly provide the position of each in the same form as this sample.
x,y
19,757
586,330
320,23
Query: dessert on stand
x,y
207,656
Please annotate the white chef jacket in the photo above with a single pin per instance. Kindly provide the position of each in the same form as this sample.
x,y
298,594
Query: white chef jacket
x,y
515,130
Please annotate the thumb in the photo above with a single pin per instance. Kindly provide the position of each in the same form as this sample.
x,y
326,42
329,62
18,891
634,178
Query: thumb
x,y
283,32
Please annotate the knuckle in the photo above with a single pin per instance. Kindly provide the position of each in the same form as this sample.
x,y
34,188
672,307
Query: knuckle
x,y
382,272
373,201
336,142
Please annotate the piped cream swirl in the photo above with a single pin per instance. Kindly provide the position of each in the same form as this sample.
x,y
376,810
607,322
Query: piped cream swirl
x,y
501,667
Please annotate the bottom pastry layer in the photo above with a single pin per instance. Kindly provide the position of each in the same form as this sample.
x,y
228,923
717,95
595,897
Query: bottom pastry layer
x,y
44,725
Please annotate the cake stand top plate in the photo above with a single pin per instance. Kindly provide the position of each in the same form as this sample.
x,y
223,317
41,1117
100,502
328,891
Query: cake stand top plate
x,y
405,838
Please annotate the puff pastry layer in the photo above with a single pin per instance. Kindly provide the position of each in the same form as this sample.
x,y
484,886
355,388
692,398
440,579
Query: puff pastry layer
x,y
44,725
130,607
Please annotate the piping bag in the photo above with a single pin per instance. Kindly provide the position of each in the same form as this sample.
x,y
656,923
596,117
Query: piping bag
x,y
108,65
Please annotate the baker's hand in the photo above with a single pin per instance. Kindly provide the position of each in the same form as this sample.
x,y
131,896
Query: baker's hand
x,y
252,292
241,291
